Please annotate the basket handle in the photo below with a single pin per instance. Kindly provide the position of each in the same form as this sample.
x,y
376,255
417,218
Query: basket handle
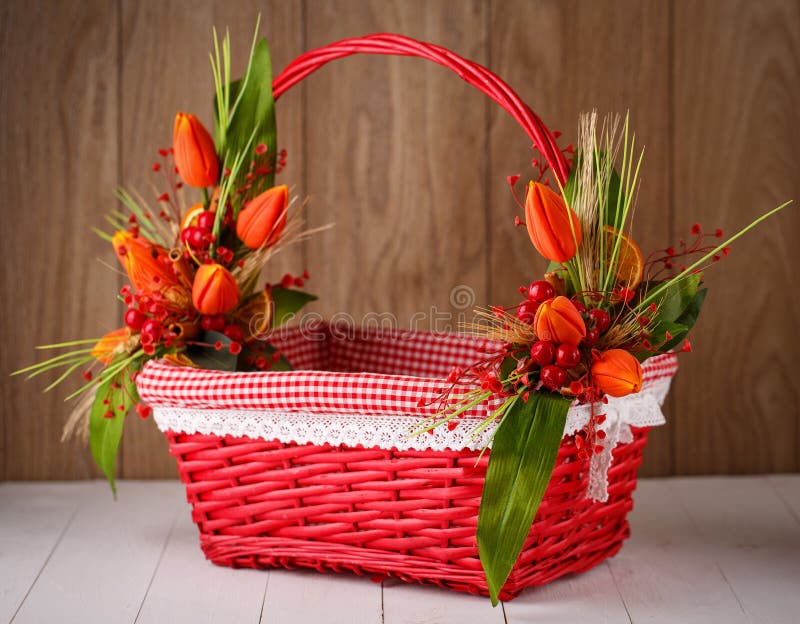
x,y
476,75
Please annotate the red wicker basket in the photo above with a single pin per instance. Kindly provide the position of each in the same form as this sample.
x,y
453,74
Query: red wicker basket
x,y
307,469
281,497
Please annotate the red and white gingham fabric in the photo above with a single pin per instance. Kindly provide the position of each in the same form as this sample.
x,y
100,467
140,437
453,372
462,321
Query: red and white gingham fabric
x,y
368,387
341,370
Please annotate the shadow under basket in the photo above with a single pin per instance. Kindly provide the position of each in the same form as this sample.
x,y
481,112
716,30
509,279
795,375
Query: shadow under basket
x,y
283,498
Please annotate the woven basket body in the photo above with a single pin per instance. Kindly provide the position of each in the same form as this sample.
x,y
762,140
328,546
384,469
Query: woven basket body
x,y
260,502
269,492
406,514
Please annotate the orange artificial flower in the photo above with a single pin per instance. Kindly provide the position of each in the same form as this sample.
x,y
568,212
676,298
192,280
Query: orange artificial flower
x,y
559,321
617,373
111,344
149,267
214,291
547,218
195,155
263,218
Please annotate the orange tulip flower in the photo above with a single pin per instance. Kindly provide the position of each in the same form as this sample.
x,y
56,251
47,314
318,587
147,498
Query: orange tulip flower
x,y
195,154
149,267
617,373
113,343
547,218
214,290
263,219
558,320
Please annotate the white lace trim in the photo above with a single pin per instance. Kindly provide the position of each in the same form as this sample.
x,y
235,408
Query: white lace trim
x,y
392,431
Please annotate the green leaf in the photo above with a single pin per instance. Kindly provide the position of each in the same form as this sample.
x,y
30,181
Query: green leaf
x,y
105,433
677,298
520,466
683,324
676,314
612,203
253,116
556,267
508,366
129,382
287,303
569,187
658,336
206,355
689,317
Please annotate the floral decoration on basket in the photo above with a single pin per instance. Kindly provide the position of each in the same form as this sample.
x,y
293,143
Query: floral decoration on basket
x,y
580,333
194,297
578,336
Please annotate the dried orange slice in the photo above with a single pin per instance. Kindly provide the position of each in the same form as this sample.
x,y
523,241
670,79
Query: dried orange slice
x,y
255,314
179,359
629,266
190,218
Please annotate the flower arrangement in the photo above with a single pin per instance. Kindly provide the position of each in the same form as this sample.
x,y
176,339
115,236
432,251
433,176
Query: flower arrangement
x,y
193,259
579,334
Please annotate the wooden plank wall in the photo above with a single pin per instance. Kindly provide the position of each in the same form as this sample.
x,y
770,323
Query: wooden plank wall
x,y
410,164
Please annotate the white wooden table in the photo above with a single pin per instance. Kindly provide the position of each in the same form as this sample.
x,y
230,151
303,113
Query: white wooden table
x,y
703,550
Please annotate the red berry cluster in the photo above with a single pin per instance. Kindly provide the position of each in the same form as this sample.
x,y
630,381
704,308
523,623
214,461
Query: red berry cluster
x,y
152,316
158,322
537,293
199,236
289,280
217,323
258,357
588,440
558,365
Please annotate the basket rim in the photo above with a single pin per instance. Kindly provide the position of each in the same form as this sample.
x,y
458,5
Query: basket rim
x,y
161,384
655,367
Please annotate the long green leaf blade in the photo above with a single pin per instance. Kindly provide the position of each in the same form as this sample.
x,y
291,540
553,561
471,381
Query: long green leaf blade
x,y
117,395
520,465
105,433
253,114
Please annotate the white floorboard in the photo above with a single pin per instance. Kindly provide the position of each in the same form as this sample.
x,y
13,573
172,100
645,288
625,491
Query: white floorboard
x,y
664,572
101,569
297,596
38,518
404,603
589,598
187,588
702,550
753,537
787,487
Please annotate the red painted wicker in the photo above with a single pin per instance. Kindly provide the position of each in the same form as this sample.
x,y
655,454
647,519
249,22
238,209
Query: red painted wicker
x,y
383,512
410,514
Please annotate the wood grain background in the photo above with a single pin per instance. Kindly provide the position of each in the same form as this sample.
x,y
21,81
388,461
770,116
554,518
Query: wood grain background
x,y
410,164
